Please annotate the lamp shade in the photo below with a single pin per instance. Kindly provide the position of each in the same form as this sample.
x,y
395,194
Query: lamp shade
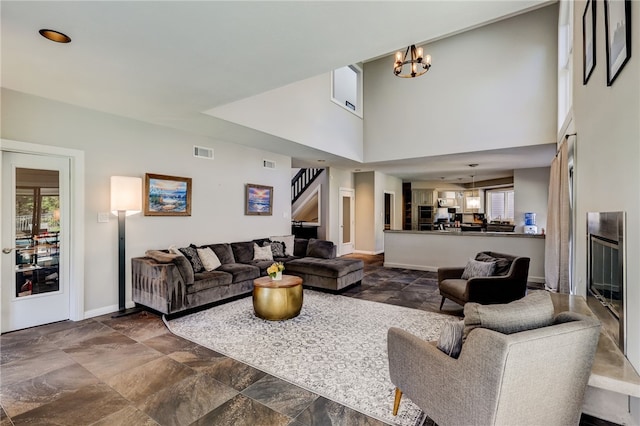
x,y
126,194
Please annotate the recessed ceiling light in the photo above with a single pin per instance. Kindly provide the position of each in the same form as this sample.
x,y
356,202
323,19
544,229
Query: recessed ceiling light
x,y
56,36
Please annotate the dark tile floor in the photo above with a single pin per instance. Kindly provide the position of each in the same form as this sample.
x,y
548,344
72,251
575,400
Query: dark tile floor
x,y
132,371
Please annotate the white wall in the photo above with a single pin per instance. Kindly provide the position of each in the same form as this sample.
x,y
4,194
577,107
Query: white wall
x,y
119,146
301,112
531,194
493,87
607,161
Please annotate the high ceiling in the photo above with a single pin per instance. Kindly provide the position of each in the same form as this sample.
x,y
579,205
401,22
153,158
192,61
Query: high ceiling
x,y
165,62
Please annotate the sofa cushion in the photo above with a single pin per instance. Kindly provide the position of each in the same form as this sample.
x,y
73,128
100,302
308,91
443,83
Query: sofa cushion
x,y
455,287
262,253
183,265
475,268
330,268
240,271
277,248
300,247
288,242
210,279
450,340
224,252
532,311
209,259
192,254
320,248
503,264
243,251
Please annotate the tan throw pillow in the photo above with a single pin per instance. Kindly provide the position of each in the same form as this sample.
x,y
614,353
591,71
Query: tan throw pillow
x,y
208,258
262,253
535,310
160,256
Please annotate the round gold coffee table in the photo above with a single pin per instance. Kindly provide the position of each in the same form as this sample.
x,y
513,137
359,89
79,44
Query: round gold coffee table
x,y
277,300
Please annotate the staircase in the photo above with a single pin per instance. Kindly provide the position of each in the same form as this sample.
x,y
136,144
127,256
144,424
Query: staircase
x,y
301,181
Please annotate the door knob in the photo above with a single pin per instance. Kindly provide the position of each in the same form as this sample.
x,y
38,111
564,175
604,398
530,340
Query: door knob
x,y
7,250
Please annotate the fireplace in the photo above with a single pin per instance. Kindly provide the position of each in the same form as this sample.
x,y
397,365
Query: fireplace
x,y
606,279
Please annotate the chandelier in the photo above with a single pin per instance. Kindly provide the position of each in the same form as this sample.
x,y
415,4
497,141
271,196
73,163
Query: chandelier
x,y
416,61
473,202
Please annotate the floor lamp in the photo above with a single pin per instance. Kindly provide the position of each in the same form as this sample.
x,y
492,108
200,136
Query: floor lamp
x,y
126,200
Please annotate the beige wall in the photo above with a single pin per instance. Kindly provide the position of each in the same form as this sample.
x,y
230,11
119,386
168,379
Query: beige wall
x,y
607,161
492,87
119,146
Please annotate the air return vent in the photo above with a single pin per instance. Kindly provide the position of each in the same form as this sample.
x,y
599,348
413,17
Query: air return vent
x,y
268,164
202,152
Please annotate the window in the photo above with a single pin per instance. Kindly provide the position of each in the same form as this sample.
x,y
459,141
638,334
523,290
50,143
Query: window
x,y
500,204
346,88
565,61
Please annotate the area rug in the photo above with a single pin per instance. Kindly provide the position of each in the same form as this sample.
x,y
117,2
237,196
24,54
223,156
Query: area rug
x,y
336,347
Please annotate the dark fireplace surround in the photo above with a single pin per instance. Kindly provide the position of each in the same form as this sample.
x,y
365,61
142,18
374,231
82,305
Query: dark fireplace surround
x,y
605,271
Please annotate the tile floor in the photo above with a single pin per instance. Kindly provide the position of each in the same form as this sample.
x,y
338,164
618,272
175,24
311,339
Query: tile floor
x,y
132,371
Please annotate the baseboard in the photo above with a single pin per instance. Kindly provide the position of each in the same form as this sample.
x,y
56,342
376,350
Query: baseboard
x,y
106,310
368,252
415,267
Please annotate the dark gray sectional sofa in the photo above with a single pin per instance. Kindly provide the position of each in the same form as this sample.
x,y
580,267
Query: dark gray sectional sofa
x,y
167,282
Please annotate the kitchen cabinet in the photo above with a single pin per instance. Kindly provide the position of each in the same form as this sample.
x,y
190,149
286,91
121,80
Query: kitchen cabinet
x,y
420,198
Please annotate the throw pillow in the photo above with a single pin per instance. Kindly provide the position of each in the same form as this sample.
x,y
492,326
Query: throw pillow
x,y
503,265
277,248
320,248
192,254
183,264
288,243
262,253
450,340
475,268
161,256
535,310
209,259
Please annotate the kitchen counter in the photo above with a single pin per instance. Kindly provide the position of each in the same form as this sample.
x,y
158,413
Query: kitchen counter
x,y
429,250
457,232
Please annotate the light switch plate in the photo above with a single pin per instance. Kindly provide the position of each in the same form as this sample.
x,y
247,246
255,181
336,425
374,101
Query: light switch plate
x,y
103,217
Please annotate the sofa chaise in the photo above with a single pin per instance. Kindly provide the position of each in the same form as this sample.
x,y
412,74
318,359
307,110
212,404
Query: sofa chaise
x,y
168,282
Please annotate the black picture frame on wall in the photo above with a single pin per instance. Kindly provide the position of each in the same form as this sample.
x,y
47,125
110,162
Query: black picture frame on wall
x,y
617,26
588,40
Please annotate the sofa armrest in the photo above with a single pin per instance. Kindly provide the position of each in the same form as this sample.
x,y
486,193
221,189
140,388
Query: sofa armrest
x,y
159,286
447,273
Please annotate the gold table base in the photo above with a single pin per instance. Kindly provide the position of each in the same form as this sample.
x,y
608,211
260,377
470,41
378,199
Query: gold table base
x,y
277,300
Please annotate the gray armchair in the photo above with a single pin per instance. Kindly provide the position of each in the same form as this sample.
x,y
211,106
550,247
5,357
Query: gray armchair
x,y
508,285
533,377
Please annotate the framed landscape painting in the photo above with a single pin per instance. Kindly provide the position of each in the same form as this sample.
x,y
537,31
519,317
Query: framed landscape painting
x,y
258,200
617,24
167,195
588,40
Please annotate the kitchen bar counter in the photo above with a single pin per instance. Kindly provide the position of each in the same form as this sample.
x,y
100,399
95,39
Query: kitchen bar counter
x,y
458,233
429,250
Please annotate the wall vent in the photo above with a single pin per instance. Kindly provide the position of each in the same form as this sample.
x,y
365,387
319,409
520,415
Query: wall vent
x,y
268,164
202,152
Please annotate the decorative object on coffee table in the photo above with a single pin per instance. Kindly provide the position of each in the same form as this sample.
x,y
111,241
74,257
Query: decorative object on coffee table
x,y
275,271
277,300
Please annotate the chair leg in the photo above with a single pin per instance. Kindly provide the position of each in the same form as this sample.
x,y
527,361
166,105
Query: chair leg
x,y
442,302
396,401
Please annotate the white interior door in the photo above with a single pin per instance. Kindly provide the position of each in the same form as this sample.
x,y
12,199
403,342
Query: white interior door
x,y
347,222
35,240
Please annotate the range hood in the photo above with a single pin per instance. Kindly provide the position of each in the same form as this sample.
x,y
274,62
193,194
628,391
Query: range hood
x,y
448,199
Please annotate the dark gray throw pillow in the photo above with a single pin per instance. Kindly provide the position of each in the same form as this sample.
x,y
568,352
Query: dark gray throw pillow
x,y
502,264
192,254
277,248
475,268
450,340
320,248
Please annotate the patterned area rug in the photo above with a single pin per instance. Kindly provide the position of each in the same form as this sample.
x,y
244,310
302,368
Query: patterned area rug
x,y
336,347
